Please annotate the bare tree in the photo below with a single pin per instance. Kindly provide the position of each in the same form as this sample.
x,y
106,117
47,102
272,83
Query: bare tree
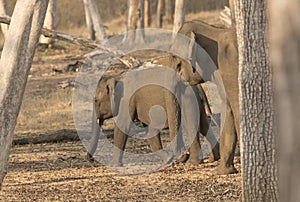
x,y
179,15
169,9
93,21
285,58
259,169
50,21
160,12
15,63
135,21
4,11
231,6
147,13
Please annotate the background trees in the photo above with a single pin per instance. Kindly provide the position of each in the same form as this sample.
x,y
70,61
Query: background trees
x,y
4,11
50,21
93,21
285,43
179,15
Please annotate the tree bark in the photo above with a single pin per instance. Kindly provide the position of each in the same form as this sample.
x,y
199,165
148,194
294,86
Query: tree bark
x,y
285,59
179,15
135,21
259,169
50,21
160,13
231,6
94,15
88,21
147,13
4,11
15,63
169,8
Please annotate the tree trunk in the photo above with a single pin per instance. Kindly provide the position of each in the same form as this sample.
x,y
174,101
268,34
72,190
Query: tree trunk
x,y
169,8
50,21
179,15
135,21
259,169
231,6
94,15
88,21
160,13
4,11
15,63
286,62
147,13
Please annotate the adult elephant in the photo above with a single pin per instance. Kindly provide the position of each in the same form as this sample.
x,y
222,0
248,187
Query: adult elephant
x,y
221,45
140,106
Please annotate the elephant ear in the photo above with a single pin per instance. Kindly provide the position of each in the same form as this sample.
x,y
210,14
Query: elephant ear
x,y
115,91
110,85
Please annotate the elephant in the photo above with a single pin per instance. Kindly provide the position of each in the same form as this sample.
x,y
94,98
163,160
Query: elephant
x,y
140,111
221,46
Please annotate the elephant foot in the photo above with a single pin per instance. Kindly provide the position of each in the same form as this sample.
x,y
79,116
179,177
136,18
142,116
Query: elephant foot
x,y
90,157
213,158
165,156
169,160
183,158
193,161
117,164
225,170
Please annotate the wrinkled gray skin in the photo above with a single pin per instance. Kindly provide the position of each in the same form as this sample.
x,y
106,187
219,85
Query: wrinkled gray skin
x,y
151,95
221,45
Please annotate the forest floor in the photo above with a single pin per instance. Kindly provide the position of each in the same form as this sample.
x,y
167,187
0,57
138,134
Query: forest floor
x,y
43,168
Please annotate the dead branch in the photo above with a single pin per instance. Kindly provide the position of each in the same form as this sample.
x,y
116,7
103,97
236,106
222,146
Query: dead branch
x,y
68,38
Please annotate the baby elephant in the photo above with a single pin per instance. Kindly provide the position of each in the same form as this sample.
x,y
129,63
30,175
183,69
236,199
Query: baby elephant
x,y
139,106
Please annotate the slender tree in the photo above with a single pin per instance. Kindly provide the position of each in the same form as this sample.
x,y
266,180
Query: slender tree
x,y
231,6
160,12
50,21
135,21
179,15
4,11
147,13
19,47
285,43
93,21
169,9
259,169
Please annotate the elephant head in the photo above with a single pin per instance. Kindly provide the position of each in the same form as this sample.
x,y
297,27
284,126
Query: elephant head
x,y
183,67
103,97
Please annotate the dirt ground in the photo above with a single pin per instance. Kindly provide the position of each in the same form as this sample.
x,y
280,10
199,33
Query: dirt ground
x,y
58,170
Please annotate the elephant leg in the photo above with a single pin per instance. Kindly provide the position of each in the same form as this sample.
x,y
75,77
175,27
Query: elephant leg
x,y
120,139
156,145
173,115
191,124
228,142
122,127
214,146
195,152
93,143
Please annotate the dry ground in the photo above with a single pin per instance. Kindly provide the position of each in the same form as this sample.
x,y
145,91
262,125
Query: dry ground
x,y
58,171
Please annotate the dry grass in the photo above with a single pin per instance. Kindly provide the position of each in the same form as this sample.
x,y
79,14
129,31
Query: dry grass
x,y
59,172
